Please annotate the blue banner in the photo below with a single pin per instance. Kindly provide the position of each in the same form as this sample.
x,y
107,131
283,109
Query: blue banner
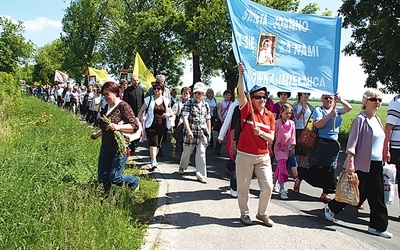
x,y
285,51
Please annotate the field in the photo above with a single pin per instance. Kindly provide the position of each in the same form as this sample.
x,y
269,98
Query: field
x,y
49,194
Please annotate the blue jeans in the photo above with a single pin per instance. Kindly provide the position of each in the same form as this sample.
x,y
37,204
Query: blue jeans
x,y
110,170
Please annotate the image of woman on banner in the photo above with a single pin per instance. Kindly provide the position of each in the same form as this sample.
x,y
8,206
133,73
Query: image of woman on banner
x,y
266,51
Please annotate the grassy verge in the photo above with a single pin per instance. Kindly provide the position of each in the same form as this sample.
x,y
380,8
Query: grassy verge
x,y
49,194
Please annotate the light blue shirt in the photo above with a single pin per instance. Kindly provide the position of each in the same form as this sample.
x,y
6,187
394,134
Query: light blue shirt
x,y
327,131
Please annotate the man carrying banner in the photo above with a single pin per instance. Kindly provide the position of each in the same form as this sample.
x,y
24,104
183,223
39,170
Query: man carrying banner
x,y
257,132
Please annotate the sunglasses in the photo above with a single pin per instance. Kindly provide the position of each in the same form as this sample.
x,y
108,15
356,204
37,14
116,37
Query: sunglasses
x,y
375,99
157,88
328,97
198,93
258,97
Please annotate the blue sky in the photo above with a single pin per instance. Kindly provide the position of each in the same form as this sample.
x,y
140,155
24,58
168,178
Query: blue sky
x,y
42,20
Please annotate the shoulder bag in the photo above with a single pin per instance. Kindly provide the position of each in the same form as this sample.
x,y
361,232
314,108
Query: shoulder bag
x,y
309,135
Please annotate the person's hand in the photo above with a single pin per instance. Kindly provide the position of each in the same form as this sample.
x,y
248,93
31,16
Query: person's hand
x,y
112,126
333,113
241,68
232,148
257,131
337,97
190,135
93,136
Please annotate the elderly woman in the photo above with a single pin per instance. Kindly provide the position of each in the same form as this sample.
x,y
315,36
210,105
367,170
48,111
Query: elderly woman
x,y
323,158
364,156
111,163
159,111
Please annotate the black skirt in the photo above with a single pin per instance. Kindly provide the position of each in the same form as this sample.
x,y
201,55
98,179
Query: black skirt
x,y
322,168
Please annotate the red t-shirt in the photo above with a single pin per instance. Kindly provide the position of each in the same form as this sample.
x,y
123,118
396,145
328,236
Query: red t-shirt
x,y
248,142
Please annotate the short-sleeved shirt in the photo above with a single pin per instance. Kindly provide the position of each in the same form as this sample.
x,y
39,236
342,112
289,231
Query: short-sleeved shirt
x,y
327,131
393,118
248,142
198,114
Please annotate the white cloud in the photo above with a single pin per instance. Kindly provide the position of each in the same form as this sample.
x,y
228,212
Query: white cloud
x,y
41,23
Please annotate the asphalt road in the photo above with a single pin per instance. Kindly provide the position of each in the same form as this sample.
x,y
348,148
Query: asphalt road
x,y
192,215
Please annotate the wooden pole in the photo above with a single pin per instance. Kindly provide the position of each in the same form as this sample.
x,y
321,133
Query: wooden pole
x,y
251,109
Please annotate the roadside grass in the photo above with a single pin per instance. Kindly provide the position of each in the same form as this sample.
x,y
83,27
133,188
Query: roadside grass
x,y
49,194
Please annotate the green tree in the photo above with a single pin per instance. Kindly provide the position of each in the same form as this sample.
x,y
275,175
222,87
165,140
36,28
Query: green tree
x,y
154,39
376,36
49,58
85,26
14,50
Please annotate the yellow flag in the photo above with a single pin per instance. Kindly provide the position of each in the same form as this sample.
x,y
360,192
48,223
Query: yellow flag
x,y
142,72
101,75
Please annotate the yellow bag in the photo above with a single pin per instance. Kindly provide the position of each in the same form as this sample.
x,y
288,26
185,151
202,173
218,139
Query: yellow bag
x,y
347,189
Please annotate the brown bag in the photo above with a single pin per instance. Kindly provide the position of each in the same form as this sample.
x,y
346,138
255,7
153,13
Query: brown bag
x,y
309,135
308,139
347,189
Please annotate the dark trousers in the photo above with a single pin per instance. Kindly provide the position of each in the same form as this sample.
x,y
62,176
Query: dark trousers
x,y
371,187
395,159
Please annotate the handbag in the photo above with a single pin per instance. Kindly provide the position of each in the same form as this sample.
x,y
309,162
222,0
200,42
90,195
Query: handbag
x,y
309,135
389,174
136,135
347,189
145,115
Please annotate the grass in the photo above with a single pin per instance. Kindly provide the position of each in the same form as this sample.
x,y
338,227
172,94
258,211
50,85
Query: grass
x,y
49,194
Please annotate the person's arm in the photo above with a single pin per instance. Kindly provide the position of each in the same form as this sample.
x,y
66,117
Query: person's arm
x,y
386,144
346,105
187,127
240,86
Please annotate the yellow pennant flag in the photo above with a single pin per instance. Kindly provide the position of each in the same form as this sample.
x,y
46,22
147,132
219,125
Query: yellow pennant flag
x,y
101,75
142,72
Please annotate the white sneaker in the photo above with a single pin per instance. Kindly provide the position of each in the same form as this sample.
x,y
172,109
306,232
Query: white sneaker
x,y
384,234
283,194
154,164
329,215
234,193
275,189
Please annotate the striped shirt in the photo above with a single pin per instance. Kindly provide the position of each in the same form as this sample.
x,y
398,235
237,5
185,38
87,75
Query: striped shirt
x,y
197,114
393,117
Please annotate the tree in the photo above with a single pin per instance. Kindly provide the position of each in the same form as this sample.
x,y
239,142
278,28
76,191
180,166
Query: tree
x,y
376,37
14,50
49,58
85,26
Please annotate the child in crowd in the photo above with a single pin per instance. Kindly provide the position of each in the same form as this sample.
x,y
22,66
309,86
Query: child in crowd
x,y
285,141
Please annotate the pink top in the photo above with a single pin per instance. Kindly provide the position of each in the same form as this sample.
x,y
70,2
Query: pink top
x,y
285,135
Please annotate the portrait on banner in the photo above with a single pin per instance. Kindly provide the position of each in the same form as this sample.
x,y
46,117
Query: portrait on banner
x,y
266,49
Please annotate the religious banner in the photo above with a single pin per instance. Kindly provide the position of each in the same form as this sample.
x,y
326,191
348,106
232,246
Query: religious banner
x,y
285,51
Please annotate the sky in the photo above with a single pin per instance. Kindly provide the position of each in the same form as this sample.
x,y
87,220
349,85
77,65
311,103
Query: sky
x,y
42,21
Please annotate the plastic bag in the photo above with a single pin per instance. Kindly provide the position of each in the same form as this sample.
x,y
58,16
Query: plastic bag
x,y
347,189
389,174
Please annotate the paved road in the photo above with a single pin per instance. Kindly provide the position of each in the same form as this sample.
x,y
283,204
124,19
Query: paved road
x,y
192,215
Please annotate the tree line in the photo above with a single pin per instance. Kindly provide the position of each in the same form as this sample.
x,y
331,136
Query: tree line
x,y
108,33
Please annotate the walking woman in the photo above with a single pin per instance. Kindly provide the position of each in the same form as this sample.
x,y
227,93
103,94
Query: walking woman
x,y
323,158
364,156
159,112
257,133
111,163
